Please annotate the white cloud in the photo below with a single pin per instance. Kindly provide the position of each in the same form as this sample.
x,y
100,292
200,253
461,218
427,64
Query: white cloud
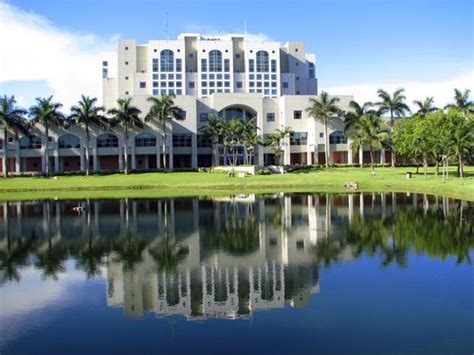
x,y
442,90
33,49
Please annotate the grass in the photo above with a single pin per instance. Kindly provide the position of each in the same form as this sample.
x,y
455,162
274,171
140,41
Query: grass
x,y
199,183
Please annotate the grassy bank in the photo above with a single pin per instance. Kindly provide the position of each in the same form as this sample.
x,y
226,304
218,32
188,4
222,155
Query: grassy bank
x,y
197,183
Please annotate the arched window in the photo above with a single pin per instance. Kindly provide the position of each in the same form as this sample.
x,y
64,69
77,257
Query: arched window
x,y
107,140
337,137
262,61
30,142
145,140
69,141
215,61
167,60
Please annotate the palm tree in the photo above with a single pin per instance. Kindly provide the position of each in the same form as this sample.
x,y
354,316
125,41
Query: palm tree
x,y
232,131
323,109
370,130
11,120
213,130
274,139
126,117
462,102
461,139
250,137
163,109
425,106
394,105
353,116
85,114
46,112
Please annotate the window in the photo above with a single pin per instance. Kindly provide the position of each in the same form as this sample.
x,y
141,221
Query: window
x,y
204,92
237,55
142,84
251,76
69,141
321,135
170,76
126,63
204,84
105,63
274,84
163,84
215,61
182,140
226,65
126,48
178,84
203,65
204,76
212,84
270,117
227,84
155,76
238,85
226,77
126,78
285,85
107,141
155,84
266,77
298,138
337,137
274,65
266,84
203,116
145,140
297,115
179,92
219,84
274,77
252,84
191,55
312,70
262,61
171,84
163,76
211,76
219,76
259,76
251,65
191,85
178,76
167,60
155,91
178,64
274,92
203,142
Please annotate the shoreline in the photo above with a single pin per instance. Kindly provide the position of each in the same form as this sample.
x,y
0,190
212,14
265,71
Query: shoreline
x,y
155,185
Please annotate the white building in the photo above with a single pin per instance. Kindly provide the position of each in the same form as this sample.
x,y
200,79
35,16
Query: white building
x,y
229,75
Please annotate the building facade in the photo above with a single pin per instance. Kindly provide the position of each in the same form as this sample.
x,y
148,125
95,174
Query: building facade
x,y
231,76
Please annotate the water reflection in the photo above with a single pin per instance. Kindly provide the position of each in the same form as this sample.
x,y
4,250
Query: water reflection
x,y
225,257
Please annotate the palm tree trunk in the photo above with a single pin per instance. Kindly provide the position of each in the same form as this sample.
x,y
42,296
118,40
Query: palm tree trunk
x,y
425,167
163,142
326,143
372,159
461,173
125,150
5,153
87,150
46,150
393,155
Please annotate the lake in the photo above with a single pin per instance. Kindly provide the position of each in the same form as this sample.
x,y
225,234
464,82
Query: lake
x,y
265,274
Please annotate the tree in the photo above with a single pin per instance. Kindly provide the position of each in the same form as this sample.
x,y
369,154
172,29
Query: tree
x,y
11,120
163,109
395,106
370,130
462,102
250,138
232,136
425,106
127,117
354,115
213,130
86,114
46,112
461,136
323,109
273,140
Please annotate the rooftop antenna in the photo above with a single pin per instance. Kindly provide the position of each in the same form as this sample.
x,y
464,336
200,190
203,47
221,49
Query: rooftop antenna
x,y
166,27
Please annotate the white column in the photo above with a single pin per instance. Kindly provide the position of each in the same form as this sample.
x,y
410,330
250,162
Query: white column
x,y
170,150
349,152
158,155
17,156
43,161
309,154
194,163
133,154
382,156
361,155
56,159
95,163
120,156
82,159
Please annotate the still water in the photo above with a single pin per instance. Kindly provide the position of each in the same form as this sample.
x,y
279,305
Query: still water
x,y
282,273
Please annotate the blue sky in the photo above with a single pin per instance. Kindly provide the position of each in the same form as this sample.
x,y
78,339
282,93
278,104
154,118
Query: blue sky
x,y
359,44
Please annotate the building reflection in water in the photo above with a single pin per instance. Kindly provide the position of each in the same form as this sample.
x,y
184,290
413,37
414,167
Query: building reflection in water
x,y
217,258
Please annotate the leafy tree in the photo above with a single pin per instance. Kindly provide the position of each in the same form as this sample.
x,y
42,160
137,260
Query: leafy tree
x,y
324,109
46,112
213,130
354,115
11,120
126,116
462,102
370,130
162,110
273,140
87,114
425,106
394,105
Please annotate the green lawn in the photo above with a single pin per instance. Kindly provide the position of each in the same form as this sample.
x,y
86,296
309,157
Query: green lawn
x,y
200,183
